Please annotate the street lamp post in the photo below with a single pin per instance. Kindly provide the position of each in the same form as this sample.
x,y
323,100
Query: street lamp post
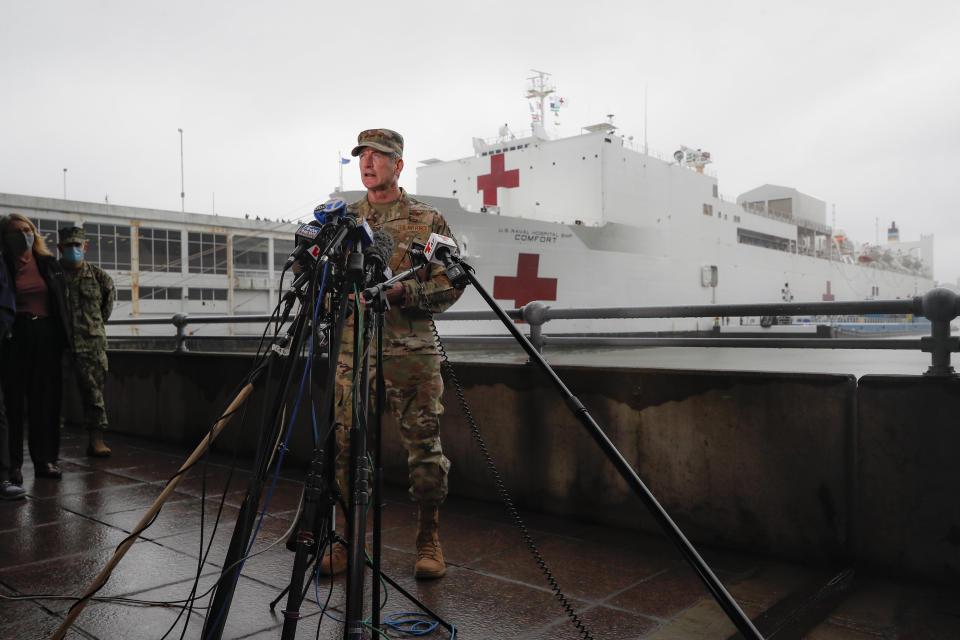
x,y
182,207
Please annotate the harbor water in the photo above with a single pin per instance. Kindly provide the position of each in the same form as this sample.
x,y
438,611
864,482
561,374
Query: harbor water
x,y
857,362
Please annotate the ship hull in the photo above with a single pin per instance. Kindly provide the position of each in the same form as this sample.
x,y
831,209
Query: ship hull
x,y
617,265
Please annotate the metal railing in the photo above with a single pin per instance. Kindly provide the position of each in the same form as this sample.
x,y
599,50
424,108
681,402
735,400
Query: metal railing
x,y
939,306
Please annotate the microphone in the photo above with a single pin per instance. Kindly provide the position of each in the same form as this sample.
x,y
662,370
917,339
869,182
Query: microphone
x,y
329,210
443,251
377,258
365,232
440,249
380,251
305,239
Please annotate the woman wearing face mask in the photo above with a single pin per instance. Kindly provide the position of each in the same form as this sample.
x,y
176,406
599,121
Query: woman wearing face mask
x,y
31,356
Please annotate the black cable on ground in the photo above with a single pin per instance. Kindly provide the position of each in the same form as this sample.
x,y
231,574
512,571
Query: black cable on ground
x,y
502,490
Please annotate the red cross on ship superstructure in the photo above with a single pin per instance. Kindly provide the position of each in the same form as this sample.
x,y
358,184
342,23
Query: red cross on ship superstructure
x,y
526,286
496,178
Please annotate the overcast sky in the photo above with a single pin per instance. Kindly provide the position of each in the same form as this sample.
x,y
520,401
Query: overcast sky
x,y
855,103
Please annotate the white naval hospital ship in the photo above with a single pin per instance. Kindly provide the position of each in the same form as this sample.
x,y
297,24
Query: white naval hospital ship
x,y
590,221
582,221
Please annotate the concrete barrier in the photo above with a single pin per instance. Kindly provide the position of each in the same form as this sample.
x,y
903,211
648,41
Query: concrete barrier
x,y
771,463
907,514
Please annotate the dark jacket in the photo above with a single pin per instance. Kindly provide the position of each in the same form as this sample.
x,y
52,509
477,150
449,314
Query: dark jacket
x,y
7,302
53,276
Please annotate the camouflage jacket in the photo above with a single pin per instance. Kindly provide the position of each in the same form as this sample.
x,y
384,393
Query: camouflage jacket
x,y
407,325
90,295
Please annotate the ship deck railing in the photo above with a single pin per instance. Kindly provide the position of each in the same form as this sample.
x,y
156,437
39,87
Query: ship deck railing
x,y
938,306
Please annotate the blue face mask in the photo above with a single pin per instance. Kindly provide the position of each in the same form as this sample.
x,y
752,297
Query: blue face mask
x,y
73,254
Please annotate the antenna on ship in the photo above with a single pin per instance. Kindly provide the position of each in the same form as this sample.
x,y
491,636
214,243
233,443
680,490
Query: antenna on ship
x,y
539,89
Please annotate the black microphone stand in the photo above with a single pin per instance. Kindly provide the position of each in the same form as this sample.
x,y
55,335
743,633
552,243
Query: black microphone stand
x,y
460,274
380,307
272,425
374,320
220,603
359,467
320,487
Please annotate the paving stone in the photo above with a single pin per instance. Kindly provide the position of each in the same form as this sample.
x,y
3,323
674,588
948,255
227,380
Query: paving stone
x,y
622,584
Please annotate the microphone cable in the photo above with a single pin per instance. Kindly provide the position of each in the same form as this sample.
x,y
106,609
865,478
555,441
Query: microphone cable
x,y
501,488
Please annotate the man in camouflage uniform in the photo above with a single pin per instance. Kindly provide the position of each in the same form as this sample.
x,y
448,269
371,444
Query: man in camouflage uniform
x,y
90,296
411,359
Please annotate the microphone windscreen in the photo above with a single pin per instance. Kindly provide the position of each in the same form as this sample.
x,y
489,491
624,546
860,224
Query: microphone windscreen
x,y
382,247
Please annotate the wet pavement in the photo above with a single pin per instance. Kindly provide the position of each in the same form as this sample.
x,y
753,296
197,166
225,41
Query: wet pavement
x,y
620,583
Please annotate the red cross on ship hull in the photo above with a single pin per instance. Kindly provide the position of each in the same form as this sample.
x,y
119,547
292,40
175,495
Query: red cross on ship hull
x,y
526,286
828,296
496,178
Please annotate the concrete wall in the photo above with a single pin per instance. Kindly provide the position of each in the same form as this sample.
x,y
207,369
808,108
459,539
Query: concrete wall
x,y
907,474
771,463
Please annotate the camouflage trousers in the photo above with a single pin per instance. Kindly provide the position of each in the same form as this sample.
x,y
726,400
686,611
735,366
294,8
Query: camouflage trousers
x,y
414,388
90,368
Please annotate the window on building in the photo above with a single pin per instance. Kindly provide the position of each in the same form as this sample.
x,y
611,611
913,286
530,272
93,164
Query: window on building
x,y
208,252
251,253
281,251
108,245
47,229
160,250
124,295
161,293
708,209
197,293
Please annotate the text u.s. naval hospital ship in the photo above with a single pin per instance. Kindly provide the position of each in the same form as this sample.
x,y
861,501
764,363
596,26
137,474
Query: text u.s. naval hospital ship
x,y
590,221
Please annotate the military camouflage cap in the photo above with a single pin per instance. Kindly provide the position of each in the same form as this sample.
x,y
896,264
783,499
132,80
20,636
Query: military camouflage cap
x,y
70,234
380,139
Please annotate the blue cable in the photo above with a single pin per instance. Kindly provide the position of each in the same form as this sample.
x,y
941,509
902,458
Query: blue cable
x,y
414,623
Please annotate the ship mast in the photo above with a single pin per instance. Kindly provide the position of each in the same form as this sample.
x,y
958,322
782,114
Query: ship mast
x,y
539,89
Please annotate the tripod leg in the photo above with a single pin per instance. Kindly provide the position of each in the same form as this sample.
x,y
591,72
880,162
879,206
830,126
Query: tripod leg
x,y
319,491
104,574
233,563
720,594
314,502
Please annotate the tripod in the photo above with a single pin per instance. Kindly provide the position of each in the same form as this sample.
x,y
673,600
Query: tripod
x,y
460,274
280,347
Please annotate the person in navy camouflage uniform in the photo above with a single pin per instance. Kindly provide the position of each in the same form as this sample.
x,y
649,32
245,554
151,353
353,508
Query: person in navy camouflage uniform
x,y
90,296
411,359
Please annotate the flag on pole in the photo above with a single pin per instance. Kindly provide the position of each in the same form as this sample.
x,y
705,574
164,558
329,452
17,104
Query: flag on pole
x,y
344,160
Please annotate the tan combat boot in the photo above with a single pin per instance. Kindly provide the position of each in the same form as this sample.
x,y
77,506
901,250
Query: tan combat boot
x,y
429,554
333,562
97,448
